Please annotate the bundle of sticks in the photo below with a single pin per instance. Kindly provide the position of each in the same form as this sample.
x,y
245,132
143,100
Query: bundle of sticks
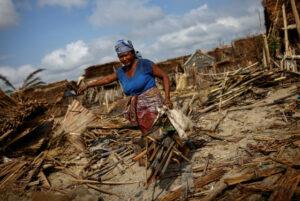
x,y
227,91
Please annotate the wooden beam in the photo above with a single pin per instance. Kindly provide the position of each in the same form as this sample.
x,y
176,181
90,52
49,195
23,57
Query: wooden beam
x,y
286,37
296,15
199,183
286,186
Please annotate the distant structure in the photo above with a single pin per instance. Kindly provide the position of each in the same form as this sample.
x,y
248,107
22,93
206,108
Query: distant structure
x,y
199,60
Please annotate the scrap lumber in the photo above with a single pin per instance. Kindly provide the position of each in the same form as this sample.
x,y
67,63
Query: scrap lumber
x,y
198,182
266,185
219,187
253,173
287,185
243,83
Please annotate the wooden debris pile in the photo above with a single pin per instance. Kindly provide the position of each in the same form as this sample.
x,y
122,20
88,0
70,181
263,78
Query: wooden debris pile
x,y
26,117
160,153
266,171
109,156
25,173
243,86
24,128
54,96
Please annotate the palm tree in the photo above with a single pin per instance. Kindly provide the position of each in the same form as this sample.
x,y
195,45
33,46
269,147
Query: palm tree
x,y
32,81
7,83
29,82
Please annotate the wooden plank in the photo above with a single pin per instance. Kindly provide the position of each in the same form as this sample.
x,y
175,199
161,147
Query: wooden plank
x,y
219,187
199,183
252,174
267,185
286,186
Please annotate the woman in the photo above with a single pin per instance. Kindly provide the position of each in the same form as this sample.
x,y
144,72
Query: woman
x,y
137,78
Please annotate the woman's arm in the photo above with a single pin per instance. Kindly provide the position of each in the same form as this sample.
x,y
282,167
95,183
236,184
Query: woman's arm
x,y
157,72
102,81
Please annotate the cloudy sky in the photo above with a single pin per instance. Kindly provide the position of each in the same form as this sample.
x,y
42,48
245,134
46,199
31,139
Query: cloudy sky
x,y
66,36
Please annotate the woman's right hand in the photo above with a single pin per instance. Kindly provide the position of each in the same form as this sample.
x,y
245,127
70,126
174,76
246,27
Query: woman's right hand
x,y
82,88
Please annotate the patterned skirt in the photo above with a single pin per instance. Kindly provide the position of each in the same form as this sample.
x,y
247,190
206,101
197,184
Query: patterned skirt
x,y
142,110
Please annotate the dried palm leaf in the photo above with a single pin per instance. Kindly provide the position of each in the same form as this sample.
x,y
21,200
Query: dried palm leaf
x,y
7,82
31,75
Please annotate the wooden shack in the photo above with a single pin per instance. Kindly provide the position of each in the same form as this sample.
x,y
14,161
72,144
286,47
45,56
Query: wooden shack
x,y
199,61
274,22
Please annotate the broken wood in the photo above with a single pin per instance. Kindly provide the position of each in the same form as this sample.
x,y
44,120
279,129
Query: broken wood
x,y
252,174
286,186
199,183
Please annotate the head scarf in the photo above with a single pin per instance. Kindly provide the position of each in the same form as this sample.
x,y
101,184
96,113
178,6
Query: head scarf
x,y
123,46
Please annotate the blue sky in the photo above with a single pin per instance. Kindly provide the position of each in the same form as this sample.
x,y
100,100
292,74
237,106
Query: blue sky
x,y
66,36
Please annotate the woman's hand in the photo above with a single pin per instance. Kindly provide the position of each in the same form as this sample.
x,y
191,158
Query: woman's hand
x,y
82,88
168,103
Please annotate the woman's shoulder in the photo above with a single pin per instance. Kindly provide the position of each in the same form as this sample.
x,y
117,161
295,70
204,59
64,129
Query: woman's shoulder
x,y
146,61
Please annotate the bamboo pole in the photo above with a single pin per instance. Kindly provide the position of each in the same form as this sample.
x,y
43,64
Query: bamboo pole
x,y
286,37
296,15
266,51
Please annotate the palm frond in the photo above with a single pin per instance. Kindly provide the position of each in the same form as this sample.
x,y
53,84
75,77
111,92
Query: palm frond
x,y
26,85
36,84
7,82
31,75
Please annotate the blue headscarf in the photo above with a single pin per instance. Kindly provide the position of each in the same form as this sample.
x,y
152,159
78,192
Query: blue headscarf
x,y
123,46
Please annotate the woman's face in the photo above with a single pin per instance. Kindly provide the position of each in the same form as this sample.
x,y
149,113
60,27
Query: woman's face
x,y
126,58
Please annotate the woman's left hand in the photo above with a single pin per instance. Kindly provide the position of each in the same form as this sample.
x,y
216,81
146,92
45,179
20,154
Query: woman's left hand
x,y
168,103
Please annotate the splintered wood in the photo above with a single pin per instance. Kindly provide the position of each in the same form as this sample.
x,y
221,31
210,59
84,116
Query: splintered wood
x,y
159,155
241,83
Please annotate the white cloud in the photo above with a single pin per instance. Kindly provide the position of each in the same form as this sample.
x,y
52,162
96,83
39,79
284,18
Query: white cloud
x,y
72,56
124,13
69,62
229,22
63,3
8,14
200,28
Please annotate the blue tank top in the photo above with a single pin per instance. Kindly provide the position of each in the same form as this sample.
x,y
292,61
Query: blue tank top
x,y
142,79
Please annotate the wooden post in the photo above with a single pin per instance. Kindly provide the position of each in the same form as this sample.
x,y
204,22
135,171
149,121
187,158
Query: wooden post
x,y
267,51
296,15
264,59
286,37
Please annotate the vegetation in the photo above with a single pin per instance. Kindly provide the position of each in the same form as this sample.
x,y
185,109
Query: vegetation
x,y
29,82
